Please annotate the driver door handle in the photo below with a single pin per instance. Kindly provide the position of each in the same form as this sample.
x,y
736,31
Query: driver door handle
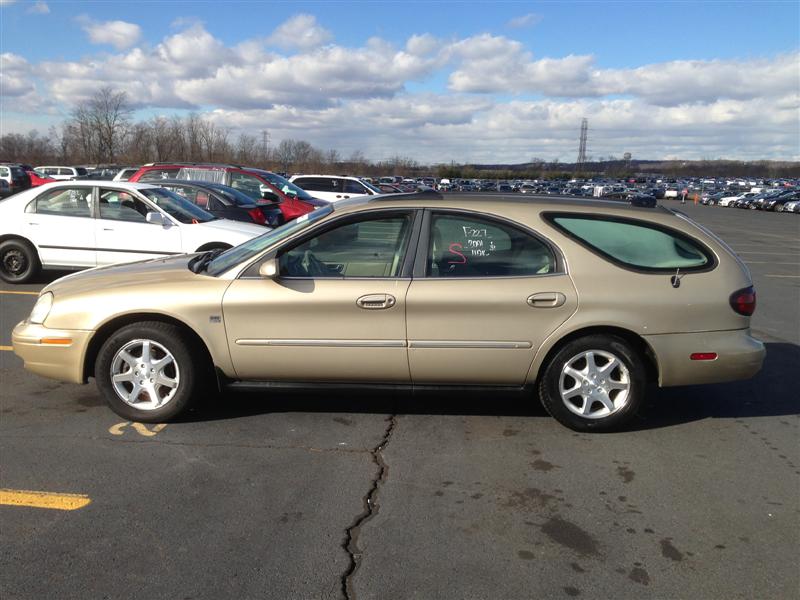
x,y
376,301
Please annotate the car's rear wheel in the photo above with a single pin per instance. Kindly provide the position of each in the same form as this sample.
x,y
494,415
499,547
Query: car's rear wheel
x,y
147,372
19,262
594,383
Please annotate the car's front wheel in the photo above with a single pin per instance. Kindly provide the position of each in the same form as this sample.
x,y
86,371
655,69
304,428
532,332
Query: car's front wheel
x,y
147,372
19,262
594,383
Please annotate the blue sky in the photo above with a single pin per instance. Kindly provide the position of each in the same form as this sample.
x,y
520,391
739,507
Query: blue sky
x,y
621,64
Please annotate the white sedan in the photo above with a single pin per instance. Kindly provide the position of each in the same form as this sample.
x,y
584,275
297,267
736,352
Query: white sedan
x,y
84,224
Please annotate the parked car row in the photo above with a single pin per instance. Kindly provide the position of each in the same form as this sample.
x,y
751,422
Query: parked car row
x,y
778,200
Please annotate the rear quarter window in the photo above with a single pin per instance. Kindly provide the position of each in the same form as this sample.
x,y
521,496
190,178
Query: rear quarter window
x,y
636,244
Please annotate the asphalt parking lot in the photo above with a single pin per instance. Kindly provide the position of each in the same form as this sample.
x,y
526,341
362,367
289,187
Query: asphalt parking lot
x,y
381,496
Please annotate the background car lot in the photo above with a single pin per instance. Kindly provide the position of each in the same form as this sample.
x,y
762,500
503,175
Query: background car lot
x,y
470,496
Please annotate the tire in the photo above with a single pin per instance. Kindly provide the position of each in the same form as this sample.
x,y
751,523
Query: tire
x,y
19,262
172,385
779,208
606,407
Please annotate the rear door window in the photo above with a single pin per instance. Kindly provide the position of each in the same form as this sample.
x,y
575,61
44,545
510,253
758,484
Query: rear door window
x,y
636,244
64,202
470,246
353,187
318,184
155,174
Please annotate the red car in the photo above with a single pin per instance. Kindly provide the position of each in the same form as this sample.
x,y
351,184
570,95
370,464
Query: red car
x,y
38,179
263,186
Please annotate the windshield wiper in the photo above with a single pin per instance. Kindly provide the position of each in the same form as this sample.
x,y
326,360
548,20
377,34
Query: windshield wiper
x,y
200,263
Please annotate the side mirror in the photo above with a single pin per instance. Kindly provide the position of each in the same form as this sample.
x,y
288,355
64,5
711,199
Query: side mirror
x,y
156,218
269,268
267,193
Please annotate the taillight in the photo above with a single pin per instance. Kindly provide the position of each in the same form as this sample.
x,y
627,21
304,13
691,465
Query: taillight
x,y
744,301
258,216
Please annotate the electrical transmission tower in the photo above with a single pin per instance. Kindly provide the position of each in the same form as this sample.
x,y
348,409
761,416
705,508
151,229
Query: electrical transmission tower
x,y
582,145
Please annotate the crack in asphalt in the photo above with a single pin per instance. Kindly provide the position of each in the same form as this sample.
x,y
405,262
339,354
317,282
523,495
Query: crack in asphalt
x,y
371,506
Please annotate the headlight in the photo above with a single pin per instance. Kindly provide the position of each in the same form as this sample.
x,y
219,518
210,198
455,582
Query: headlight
x,y
41,309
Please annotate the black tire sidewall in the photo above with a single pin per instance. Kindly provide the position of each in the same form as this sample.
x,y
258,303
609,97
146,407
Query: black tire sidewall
x,y
31,256
549,384
174,340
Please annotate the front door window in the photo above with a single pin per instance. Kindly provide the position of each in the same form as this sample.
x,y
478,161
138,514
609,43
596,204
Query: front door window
x,y
366,248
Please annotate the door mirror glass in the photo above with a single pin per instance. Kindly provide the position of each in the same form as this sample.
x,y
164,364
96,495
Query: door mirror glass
x,y
269,268
156,218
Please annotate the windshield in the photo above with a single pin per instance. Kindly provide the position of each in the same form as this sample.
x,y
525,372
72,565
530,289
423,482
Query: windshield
x,y
237,197
81,171
251,248
285,185
176,207
372,187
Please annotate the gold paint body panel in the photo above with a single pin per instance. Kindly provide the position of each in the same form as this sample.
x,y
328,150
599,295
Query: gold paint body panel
x,y
487,332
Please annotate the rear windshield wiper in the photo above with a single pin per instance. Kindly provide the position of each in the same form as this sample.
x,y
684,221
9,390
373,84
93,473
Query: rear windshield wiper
x,y
200,262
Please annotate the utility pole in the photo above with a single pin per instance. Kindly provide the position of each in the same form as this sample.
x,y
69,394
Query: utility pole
x,y
582,146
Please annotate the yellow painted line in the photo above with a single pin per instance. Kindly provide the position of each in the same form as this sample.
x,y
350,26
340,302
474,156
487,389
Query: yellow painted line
x,y
19,293
43,499
7,348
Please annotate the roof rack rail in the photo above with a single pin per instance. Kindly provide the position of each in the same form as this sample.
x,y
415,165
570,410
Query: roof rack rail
x,y
191,164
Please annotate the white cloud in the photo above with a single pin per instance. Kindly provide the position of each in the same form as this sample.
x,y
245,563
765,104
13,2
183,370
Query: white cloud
x,y
39,8
522,21
119,34
7,2
491,63
365,98
301,32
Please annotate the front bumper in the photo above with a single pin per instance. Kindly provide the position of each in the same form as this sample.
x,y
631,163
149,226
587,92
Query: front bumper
x,y
54,353
739,356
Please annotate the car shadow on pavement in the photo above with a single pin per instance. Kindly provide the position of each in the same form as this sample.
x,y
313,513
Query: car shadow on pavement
x,y
770,393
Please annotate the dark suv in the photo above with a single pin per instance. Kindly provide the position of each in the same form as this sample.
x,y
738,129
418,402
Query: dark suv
x,y
262,186
15,176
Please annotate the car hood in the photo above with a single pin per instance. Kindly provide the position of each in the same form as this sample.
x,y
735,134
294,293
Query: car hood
x,y
227,225
162,286
135,276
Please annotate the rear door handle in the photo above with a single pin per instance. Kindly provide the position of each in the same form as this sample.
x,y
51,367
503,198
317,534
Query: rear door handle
x,y
376,301
546,299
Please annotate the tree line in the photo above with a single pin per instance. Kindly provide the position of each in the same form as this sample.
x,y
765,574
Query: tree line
x,y
102,131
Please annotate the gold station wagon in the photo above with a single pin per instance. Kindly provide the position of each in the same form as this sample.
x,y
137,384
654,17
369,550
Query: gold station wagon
x,y
579,301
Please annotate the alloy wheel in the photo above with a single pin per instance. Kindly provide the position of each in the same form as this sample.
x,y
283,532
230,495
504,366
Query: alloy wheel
x,y
144,374
594,384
